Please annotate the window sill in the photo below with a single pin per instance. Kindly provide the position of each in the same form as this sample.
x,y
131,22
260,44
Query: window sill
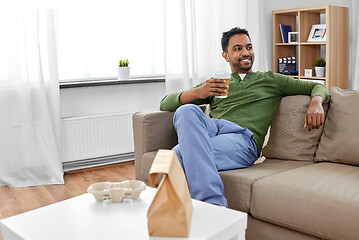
x,y
107,82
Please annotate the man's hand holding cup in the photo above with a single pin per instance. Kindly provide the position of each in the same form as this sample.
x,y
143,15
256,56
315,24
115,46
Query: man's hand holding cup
x,y
216,86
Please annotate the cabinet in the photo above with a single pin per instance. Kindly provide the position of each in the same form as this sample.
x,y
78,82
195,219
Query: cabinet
x,y
335,50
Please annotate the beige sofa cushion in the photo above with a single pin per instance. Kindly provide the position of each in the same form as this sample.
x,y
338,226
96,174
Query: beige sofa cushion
x,y
340,140
288,138
238,183
320,199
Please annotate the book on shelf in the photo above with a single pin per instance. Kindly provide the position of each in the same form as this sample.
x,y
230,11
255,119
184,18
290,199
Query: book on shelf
x,y
284,30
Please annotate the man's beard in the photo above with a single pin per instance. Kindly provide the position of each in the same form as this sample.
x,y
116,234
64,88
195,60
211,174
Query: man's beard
x,y
246,68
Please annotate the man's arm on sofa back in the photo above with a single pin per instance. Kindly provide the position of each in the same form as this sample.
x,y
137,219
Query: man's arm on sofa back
x,y
152,131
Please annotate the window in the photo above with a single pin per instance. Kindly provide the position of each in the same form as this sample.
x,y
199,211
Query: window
x,y
92,40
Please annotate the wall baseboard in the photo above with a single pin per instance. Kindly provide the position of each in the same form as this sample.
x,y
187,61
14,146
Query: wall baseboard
x,y
97,162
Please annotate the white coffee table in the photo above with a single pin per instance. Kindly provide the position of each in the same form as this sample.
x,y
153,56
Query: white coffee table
x,y
83,217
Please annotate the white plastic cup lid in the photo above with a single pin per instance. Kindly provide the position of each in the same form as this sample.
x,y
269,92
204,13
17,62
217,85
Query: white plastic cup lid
x,y
221,76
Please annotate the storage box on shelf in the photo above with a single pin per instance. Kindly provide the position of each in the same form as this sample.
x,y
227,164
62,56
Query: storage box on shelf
x,y
335,49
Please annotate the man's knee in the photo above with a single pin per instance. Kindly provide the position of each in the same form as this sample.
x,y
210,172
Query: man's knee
x,y
188,108
186,111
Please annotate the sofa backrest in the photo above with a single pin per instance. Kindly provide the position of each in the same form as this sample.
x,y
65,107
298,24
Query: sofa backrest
x,y
288,138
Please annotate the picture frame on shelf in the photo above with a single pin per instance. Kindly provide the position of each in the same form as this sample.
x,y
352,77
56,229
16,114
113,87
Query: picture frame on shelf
x,y
308,72
318,33
293,37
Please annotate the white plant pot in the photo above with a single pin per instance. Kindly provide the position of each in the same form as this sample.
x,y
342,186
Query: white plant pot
x,y
319,71
123,73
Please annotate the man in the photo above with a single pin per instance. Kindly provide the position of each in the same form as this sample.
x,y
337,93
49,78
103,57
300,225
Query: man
x,y
233,137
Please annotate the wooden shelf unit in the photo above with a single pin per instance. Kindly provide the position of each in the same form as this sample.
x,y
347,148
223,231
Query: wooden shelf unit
x,y
335,49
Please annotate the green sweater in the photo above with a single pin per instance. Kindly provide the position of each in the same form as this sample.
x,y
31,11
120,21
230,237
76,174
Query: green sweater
x,y
252,102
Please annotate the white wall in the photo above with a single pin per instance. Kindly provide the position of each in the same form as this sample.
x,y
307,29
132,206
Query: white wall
x,y
87,101
268,6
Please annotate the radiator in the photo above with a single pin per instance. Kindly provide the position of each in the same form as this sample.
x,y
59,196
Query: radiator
x,y
96,137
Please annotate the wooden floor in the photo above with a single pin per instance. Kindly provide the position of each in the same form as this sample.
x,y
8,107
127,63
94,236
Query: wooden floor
x,y
14,201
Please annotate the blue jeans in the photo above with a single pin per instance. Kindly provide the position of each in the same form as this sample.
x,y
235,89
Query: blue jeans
x,y
206,146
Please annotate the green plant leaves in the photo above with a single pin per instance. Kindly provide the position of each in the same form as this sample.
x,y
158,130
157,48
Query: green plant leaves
x,y
123,63
319,62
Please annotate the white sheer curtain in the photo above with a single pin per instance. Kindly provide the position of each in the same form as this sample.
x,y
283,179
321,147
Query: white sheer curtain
x,y
193,31
29,99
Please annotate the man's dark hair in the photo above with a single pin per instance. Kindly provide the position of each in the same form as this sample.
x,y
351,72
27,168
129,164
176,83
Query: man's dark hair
x,y
227,35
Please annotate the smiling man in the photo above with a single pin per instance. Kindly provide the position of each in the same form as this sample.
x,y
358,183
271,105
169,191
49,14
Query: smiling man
x,y
232,137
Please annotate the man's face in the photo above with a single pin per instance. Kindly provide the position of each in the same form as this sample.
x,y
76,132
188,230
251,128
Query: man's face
x,y
239,55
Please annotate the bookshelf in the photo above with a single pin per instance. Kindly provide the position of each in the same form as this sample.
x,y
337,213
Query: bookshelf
x,y
335,50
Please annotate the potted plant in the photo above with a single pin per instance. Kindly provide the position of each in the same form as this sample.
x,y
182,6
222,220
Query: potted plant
x,y
319,67
123,70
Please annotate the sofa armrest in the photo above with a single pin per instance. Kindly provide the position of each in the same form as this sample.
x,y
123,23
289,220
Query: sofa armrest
x,y
152,131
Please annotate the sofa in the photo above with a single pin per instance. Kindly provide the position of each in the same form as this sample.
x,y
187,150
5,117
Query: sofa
x,y
308,185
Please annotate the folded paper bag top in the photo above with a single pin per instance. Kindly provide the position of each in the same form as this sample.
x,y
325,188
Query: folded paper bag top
x,y
170,212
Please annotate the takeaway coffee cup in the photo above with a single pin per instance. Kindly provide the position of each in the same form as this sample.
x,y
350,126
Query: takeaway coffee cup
x,y
224,76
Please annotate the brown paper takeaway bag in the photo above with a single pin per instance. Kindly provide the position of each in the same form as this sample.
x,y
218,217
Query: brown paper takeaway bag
x,y
170,212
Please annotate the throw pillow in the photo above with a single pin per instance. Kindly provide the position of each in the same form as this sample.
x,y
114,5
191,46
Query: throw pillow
x,y
288,138
339,142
